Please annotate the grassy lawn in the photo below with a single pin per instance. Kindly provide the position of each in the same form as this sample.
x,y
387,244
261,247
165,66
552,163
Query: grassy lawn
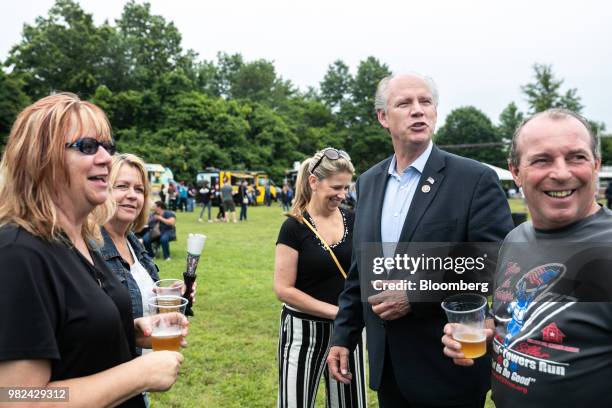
x,y
231,358
517,205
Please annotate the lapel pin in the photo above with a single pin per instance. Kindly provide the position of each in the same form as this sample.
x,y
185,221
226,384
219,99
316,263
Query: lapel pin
x,y
430,180
426,188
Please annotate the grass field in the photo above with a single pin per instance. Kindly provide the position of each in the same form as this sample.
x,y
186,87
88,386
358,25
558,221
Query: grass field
x,y
231,358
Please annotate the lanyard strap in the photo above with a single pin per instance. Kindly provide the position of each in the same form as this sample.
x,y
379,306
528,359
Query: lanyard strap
x,y
326,247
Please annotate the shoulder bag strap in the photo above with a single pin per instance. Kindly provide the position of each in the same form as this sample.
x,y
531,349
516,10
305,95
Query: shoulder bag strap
x,y
326,247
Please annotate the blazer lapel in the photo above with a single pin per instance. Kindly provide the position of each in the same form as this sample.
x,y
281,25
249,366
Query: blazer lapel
x,y
424,194
378,195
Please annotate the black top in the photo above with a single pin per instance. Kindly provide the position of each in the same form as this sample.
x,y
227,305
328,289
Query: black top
x,y
204,195
317,273
55,305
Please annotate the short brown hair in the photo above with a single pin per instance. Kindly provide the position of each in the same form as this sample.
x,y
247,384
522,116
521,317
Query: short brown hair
x,y
514,156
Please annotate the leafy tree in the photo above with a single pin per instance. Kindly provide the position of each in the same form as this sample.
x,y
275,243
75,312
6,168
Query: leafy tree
x,y
313,123
544,92
257,81
337,85
369,74
206,78
12,101
254,81
60,52
152,46
271,137
370,144
469,126
509,120
227,70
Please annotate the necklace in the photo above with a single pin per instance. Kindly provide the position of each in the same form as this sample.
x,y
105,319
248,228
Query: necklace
x,y
344,230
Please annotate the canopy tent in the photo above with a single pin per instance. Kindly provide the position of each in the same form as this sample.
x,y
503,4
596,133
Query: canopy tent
x,y
502,174
605,173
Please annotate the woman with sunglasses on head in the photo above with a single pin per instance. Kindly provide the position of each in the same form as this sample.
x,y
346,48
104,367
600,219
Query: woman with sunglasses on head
x,y
65,319
313,251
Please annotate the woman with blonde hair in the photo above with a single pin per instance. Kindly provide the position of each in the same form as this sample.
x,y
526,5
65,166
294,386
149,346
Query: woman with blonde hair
x,y
313,254
122,251
65,319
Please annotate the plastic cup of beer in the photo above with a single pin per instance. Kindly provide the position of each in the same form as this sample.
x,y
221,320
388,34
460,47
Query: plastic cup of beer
x,y
466,313
167,314
169,287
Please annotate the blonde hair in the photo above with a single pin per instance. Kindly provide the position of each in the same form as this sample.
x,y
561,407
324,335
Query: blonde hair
x,y
118,161
33,168
326,168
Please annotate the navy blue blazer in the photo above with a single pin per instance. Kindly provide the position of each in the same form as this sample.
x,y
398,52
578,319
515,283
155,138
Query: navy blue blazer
x,y
465,204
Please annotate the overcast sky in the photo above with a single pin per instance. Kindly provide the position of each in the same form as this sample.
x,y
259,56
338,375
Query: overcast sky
x,y
478,51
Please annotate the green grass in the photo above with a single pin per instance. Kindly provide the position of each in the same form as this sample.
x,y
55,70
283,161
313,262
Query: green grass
x,y
517,205
231,358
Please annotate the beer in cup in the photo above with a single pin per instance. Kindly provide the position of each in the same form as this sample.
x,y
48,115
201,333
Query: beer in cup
x,y
466,314
167,338
169,287
167,315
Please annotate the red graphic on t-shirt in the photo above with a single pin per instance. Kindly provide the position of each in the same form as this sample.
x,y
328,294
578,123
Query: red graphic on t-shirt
x,y
512,268
531,350
504,295
535,276
552,334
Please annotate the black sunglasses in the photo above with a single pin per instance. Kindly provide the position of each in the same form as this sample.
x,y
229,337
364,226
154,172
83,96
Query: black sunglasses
x,y
331,154
89,146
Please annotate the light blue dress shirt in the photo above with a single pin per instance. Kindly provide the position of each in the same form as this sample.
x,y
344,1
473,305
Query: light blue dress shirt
x,y
399,192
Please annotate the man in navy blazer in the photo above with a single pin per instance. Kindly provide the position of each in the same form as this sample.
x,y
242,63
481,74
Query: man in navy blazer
x,y
420,194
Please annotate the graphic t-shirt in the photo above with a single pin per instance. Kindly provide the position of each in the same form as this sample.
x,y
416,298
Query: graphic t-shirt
x,y
553,341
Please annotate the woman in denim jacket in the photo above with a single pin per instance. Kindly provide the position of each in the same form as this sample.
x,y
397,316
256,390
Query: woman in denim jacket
x,y
122,250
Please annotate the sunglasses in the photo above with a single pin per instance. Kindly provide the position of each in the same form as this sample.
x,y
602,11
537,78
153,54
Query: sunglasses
x,y
331,154
89,146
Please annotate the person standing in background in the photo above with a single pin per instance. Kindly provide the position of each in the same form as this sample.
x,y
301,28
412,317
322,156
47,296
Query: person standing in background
x,y
227,199
204,196
243,197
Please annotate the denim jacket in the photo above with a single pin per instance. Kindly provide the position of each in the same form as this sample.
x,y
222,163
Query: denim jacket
x,y
122,269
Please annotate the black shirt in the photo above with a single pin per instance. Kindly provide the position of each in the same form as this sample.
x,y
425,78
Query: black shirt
x,y
552,347
55,305
317,273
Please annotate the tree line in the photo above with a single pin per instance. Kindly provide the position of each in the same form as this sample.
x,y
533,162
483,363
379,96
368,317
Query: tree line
x,y
170,107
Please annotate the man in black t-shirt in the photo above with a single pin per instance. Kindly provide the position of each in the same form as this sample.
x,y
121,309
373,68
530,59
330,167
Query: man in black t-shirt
x,y
552,310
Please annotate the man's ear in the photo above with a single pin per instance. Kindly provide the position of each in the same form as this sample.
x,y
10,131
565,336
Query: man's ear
x,y
515,173
382,118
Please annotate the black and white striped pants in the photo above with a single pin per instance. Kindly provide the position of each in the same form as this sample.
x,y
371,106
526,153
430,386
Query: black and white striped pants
x,y
303,346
